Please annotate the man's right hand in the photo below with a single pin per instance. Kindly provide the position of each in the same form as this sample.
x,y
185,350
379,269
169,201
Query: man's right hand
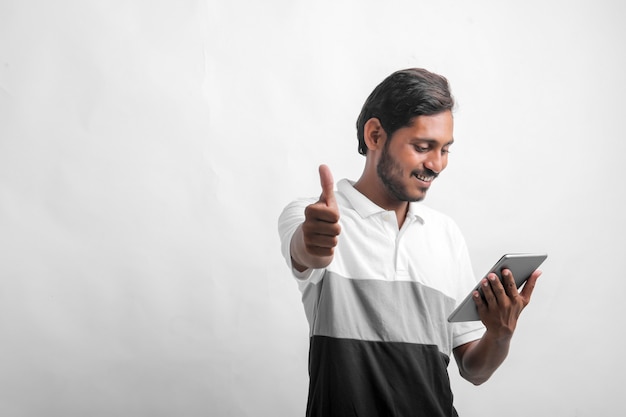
x,y
314,242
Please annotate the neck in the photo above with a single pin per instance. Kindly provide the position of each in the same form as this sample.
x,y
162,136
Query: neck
x,y
372,187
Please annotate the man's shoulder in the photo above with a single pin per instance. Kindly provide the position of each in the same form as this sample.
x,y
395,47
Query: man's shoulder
x,y
294,210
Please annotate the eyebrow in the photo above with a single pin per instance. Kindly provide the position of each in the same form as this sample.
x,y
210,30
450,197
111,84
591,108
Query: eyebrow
x,y
431,141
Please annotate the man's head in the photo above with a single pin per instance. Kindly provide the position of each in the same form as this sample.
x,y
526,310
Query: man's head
x,y
401,97
405,129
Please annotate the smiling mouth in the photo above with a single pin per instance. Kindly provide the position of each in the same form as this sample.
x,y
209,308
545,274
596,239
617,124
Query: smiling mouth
x,y
424,178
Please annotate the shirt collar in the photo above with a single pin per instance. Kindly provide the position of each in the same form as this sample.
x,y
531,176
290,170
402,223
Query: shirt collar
x,y
366,208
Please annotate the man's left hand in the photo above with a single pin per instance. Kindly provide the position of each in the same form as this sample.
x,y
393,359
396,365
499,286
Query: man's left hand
x,y
501,304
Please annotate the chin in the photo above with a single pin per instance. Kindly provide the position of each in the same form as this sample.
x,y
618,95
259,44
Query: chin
x,y
413,198
420,197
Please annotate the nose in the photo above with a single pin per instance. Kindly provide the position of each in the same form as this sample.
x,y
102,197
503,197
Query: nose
x,y
435,162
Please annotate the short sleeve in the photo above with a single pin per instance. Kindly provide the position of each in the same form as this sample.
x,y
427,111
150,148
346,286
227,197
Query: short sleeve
x,y
289,220
464,332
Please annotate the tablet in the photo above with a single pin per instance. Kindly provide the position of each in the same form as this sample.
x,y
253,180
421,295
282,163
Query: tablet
x,y
522,265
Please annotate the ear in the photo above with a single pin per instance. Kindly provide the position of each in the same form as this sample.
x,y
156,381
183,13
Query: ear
x,y
374,134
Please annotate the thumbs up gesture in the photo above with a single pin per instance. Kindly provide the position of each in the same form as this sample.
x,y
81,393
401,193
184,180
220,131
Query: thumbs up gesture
x,y
328,185
313,244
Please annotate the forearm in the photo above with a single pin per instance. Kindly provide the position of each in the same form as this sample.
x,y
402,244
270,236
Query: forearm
x,y
477,361
499,310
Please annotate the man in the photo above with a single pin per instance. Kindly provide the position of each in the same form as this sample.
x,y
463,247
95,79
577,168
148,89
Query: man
x,y
380,272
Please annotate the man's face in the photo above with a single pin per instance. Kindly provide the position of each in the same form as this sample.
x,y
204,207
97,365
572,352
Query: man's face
x,y
413,157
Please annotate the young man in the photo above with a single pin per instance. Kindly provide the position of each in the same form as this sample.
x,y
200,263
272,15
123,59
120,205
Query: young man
x,y
380,272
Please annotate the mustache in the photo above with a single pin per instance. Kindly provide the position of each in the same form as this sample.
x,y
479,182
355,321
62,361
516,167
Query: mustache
x,y
426,173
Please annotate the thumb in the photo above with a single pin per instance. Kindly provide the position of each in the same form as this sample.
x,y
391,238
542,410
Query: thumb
x,y
529,286
328,185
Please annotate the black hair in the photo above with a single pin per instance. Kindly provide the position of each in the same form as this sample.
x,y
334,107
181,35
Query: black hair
x,y
401,97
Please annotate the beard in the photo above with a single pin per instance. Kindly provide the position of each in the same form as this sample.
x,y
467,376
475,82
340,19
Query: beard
x,y
391,174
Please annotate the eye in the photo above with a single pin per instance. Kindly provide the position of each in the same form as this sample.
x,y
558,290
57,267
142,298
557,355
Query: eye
x,y
421,148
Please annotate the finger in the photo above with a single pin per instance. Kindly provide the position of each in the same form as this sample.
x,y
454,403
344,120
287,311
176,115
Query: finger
x,y
328,185
508,281
321,241
529,286
480,302
495,285
320,211
322,225
321,251
488,294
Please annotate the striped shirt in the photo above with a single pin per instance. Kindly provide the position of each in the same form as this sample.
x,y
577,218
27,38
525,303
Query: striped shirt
x,y
380,342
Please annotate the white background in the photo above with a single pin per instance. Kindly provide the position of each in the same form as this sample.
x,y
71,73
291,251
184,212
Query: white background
x,y
148,147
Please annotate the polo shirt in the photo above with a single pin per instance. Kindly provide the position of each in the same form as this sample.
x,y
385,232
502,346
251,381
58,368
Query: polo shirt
x,y
380,342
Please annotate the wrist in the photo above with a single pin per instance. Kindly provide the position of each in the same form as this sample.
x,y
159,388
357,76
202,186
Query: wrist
x,y
500,338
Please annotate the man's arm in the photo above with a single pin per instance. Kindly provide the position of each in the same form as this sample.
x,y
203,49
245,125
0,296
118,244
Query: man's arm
x,y
313,243
499,311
